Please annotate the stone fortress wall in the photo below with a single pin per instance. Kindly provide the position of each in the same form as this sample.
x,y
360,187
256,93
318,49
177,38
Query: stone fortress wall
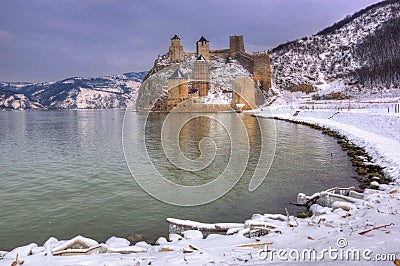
x,y
186,95
257,64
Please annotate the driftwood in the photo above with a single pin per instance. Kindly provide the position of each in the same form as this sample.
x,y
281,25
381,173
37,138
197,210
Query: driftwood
x,y
255,245
15,263
177,225
375,228
308,202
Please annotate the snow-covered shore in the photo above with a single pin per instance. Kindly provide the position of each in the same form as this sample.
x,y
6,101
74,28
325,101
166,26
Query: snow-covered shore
x,y
352,227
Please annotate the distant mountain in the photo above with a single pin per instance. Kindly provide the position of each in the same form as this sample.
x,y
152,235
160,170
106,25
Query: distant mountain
x,y
72,93
361,50
11,100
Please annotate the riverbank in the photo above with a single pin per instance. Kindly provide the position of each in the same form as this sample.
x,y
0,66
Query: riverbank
x,y
365,221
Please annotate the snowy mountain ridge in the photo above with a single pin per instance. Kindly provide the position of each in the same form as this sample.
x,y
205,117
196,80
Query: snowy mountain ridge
x,y
330,54
72,93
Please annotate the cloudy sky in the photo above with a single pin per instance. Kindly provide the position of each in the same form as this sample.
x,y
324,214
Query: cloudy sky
x,y
45,40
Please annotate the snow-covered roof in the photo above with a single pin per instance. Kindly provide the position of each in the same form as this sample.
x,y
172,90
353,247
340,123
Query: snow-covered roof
x,y
175,37
200,58
177,75
202,39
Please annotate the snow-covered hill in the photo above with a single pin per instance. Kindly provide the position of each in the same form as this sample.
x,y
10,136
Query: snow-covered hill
x,y
72,93
330,54
11,100
221,74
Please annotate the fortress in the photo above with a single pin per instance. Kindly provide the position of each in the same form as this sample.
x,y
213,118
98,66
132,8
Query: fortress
x,y
190,92
257,64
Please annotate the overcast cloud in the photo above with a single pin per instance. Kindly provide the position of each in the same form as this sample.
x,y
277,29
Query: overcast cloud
x,y
44,40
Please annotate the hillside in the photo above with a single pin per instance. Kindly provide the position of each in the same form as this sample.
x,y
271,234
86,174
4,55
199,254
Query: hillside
x,y
72,93
356,57
221,74
11,100
340,51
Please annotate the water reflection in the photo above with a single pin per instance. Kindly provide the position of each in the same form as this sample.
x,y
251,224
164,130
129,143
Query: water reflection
x,y
64,174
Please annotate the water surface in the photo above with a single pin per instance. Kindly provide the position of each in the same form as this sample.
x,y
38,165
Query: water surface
x,y
63,173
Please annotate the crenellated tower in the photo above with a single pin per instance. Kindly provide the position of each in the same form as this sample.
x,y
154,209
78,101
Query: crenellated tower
x,y
175,53
203,48
236,45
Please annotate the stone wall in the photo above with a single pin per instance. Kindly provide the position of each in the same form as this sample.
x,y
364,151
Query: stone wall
x,y
223,53
177,88
236,45
243,93
262,70
246,60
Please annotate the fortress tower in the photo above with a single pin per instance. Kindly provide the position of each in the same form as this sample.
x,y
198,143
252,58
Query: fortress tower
x,y
243,92
175,53
262,70
177,86
200,75
203,48
236,45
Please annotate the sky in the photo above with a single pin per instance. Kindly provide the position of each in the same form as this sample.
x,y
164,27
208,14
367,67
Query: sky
x,y
48,40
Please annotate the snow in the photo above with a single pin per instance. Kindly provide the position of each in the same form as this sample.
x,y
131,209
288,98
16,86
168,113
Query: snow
x,y
72,93
192,234
221,75
341,219
318,59
117,242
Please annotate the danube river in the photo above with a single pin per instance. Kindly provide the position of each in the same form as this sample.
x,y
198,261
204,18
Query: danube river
x,y
64,173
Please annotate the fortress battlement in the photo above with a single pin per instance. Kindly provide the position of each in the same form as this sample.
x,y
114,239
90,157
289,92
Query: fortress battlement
x,y
258,64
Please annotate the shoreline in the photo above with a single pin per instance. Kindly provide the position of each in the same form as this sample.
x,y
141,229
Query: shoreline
x,y
358,156
373,217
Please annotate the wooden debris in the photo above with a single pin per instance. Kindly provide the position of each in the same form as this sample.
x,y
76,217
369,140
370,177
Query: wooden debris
x,y
15,262
375,228
192,247
255,245
163,249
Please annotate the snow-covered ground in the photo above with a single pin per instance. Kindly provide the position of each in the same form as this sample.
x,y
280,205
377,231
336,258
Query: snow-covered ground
x,y
345,227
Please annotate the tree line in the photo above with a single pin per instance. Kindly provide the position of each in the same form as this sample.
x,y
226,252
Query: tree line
x,y
380,55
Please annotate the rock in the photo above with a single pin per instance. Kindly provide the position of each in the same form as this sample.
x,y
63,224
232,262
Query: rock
x,y
342,213
375,178
319,210
357,163
22,251
117,242
161,240
3,253
374,184
174,237
302,215
50,241
135,237
302,198
362,171
38,250
142,244
193,234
